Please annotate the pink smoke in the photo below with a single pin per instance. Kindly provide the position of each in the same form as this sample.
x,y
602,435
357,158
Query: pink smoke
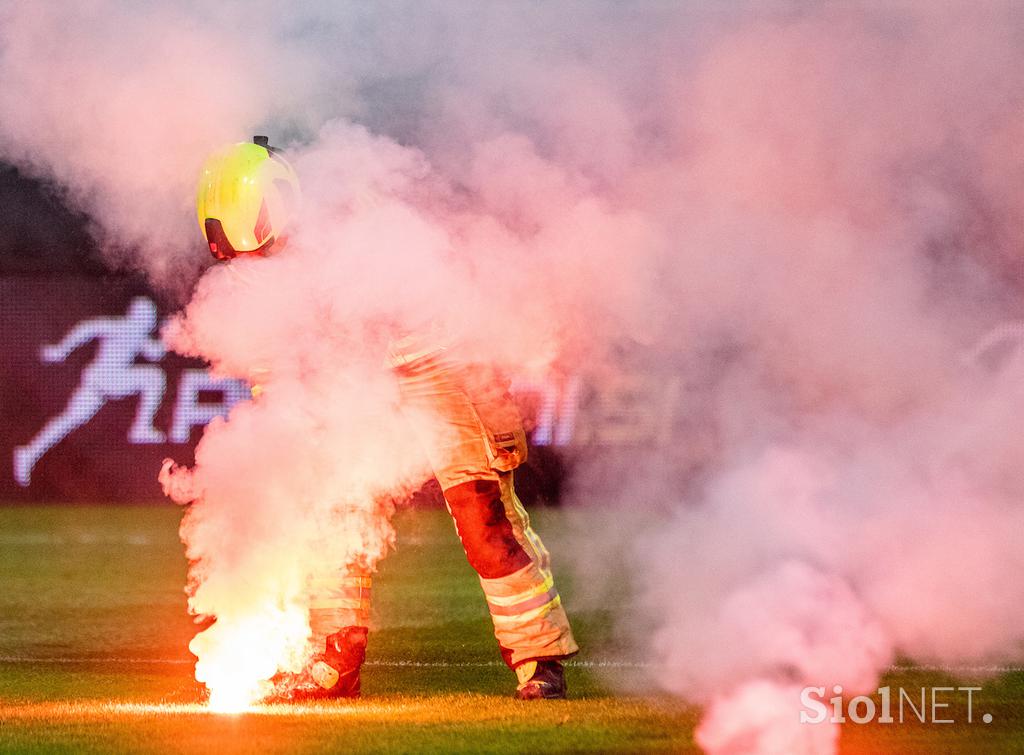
x,y
805,214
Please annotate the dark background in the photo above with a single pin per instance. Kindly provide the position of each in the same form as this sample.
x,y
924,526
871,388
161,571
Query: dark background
x,y
51,278
39,235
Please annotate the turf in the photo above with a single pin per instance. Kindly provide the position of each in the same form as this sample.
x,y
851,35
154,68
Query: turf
x,y
93,658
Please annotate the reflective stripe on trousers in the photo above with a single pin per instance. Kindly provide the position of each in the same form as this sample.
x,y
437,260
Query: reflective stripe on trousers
x,y
336,602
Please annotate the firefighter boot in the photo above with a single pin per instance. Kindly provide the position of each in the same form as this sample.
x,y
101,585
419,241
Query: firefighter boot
x,y
337,671
333,673
540,680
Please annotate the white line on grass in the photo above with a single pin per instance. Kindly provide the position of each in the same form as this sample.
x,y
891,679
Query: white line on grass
x,y
600,663
26,659
610,663
28,539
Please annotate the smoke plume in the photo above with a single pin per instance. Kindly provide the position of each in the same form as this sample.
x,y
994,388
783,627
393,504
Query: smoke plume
x,y
803,215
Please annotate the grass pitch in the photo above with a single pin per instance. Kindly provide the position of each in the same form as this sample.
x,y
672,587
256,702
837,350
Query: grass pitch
x,y
93,658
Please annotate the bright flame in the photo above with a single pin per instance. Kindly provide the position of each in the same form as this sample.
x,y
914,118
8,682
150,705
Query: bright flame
x,y
231,701
238,655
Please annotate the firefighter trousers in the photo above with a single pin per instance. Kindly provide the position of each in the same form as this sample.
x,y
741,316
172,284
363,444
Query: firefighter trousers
x,y
473,436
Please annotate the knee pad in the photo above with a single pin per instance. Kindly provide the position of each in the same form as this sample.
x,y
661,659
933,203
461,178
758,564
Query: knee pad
x,y
485,531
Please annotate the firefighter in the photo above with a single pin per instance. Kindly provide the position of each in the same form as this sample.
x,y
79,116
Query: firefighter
x,y
471,432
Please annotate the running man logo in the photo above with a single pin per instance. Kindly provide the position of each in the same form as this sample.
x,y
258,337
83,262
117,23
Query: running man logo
x,y
114,374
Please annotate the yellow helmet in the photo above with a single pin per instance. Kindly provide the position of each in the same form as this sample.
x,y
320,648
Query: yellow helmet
x,y
247,195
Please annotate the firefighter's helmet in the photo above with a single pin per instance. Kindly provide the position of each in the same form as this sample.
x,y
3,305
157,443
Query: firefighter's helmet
x,y
247,195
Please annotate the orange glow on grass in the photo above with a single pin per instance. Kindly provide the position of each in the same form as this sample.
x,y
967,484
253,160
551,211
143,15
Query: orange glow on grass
x,y
104,710
277,709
